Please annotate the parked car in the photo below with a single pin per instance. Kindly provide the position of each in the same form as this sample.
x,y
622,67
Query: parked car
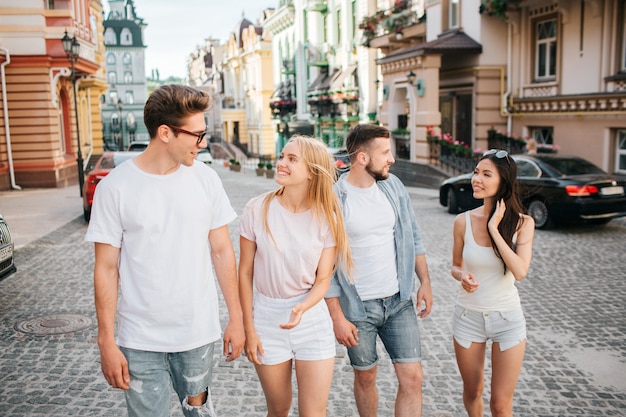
x,y
137,146
204,155
554,189
7,263
342,160
105,164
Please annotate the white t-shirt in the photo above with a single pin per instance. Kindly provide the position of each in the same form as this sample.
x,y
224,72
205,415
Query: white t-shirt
x,y
286,270
168,298
369,220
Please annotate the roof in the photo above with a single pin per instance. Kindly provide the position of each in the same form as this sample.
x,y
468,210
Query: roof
x,y
119,25
448,43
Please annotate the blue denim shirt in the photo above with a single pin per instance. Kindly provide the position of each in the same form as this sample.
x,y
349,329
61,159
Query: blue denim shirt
x,y
408,243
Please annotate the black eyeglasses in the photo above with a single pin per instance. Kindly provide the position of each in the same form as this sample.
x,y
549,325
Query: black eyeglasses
x,y
200,136
499,153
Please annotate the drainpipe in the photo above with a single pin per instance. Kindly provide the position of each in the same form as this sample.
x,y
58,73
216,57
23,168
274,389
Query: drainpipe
x,y
6,118
508,77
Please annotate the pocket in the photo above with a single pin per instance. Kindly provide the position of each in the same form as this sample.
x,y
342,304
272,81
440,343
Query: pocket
x,y
513,316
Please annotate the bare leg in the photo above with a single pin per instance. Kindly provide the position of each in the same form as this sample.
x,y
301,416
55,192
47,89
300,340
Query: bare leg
x,y
409,397
365,393
276,383
506,367
314,380
471,364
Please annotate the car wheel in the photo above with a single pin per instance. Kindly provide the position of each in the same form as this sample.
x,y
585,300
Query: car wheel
x,y
453,206
86,214
538,210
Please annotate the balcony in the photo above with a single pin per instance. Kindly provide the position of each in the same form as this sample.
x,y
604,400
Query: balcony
x,y
395,28
569,104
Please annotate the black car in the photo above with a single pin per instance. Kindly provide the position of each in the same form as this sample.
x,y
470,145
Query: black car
x,y
554,189
7,265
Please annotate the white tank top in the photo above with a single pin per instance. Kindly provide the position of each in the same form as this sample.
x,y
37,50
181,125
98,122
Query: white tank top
x,y
497,291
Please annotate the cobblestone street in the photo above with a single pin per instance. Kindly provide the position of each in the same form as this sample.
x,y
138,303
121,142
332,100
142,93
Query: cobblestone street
x,y
573,298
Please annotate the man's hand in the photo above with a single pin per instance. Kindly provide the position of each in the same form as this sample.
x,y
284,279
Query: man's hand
x,y
234,339
346,333
114,367
425,297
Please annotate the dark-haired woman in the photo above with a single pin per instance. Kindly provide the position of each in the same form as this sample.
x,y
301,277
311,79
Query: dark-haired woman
x,y
492,250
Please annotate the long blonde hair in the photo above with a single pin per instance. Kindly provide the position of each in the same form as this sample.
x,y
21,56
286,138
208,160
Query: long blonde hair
x,y
324,202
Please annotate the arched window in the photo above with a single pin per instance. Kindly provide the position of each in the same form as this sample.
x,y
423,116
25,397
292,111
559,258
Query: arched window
x,y
112,78
131,122
128,77
127,60
115,119
111,59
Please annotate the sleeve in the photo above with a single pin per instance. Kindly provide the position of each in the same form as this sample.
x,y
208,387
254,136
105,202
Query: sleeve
x,y
246,223
105,225
222,209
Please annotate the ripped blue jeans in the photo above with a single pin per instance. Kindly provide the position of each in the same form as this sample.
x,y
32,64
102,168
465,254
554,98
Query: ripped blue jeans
x,y
153,373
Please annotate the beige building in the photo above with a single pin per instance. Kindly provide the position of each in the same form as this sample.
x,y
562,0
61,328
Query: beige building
x,y
554,70
38,134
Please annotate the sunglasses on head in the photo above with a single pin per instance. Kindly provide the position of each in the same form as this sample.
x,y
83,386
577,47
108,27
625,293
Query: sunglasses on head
x,y
199,136
499,153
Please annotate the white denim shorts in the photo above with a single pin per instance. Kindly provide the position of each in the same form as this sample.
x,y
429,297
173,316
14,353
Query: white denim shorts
x,y
508,328
312,339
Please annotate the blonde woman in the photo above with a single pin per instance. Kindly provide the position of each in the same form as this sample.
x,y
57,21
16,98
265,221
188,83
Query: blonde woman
x,y
291,239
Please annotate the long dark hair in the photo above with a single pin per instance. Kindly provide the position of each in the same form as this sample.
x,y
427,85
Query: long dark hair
x,y
508,191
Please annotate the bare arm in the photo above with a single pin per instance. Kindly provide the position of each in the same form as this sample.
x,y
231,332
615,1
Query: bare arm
x,y
225,265
518,261
468,280
346,333
247,250
106,280
425,292
317,291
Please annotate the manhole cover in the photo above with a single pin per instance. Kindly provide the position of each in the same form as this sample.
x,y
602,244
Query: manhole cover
x,y
53,324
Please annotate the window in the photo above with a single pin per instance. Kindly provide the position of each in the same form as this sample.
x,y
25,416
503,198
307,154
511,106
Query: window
x,y
128,77
111,59
545,50
126,38
621,152
50,4
453,13
115,119
126,59
130,98
109,37
113,97
112,78
543,135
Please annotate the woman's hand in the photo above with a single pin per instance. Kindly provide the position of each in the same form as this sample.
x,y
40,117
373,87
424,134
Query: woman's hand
x,y
254,347
498,214
468,282
294,318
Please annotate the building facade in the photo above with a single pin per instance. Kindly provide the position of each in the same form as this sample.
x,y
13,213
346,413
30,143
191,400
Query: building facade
x,y
122,110
38,129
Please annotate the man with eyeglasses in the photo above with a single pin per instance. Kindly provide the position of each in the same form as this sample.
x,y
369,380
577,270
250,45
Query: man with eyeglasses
x,y
160,225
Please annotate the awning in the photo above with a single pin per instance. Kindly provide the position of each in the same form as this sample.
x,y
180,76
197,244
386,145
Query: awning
x,y
448,43
326,83
337,84
318,81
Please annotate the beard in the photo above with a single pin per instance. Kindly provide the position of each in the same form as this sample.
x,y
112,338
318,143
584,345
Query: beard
x,y
378,175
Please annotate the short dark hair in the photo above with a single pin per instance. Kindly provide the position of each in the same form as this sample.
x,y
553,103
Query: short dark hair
x,y
361,135
169,104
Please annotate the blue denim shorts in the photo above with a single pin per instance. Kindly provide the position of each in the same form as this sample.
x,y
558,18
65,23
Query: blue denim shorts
x,y
312,339
153,373
508,328
395,322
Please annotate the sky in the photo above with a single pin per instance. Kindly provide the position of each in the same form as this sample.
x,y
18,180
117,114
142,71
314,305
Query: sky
x,y
175,28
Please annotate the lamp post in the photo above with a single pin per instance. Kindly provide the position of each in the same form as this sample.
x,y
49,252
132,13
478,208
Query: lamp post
x,y
72,51
120,107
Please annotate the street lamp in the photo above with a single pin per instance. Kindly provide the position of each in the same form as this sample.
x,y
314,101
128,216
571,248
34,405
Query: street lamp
x,y
72,51
120,107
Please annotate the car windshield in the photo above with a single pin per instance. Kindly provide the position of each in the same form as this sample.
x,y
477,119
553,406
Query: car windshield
x,y
573,166
113,161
